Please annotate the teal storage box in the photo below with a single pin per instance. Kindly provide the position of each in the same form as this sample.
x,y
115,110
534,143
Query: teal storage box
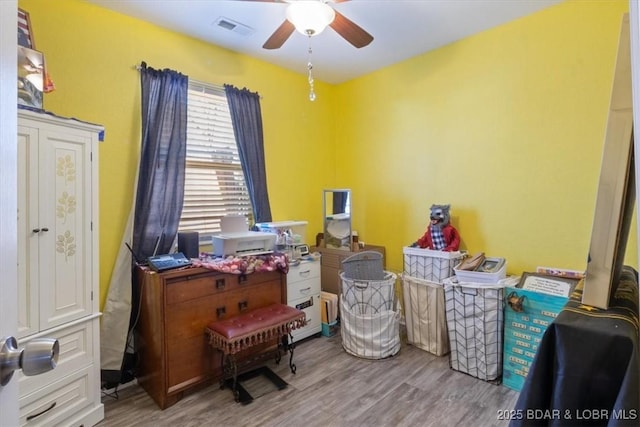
x,y
330,329
527,314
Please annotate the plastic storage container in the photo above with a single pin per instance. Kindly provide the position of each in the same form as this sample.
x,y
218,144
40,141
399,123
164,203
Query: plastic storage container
x,y
297,230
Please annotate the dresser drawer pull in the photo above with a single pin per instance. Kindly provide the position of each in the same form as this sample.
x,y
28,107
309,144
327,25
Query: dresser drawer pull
x,y
219,283
221,311
305,290
30,417
242,278
243,305
305,273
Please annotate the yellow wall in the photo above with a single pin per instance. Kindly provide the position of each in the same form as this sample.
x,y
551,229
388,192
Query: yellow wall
x,y
90,53
507,126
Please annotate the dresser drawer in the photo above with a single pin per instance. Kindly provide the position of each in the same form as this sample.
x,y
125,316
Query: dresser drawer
x,y
302,289
188,319
54,403
199,285
303,271
76,351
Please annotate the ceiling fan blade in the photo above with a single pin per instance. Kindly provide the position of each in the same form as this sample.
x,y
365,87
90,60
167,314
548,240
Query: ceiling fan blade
x,y
350,31
279,36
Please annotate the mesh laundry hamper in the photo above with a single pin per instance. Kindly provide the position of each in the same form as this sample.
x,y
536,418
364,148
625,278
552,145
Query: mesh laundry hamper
x,y
424,313
369,317
475,320
366,265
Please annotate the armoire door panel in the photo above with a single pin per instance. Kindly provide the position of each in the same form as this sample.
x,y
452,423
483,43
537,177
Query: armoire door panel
x,y
28,254
65,217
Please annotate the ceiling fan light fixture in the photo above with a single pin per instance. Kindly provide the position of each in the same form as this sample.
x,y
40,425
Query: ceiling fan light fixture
x,y
310,17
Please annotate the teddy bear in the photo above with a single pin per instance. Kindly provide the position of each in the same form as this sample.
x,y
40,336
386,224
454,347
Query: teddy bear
x,y
440,234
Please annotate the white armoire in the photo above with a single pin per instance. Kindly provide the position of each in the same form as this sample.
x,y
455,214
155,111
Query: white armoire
x,y
58,286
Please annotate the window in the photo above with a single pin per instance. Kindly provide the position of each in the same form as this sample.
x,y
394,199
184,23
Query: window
x,y
214,181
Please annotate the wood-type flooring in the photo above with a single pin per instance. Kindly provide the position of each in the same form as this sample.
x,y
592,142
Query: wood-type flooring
x,y
332,388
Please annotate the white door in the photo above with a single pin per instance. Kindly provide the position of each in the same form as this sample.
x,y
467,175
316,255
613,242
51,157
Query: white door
x,y
8,196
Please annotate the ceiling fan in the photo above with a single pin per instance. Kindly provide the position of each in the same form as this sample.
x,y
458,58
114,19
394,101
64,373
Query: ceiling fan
x,y
310,17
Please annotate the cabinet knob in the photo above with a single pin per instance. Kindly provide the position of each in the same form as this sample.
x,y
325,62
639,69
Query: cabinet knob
x,y
45,229
36,230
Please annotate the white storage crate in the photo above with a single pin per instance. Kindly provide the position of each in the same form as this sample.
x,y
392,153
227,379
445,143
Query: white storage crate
x,y
427,264
424,313
482,276
475,321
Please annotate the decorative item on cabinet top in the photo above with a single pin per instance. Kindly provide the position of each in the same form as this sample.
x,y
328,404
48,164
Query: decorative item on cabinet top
x,y
290,237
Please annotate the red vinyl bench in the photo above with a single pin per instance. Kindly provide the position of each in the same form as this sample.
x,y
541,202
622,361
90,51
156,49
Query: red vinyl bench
x,y
261,325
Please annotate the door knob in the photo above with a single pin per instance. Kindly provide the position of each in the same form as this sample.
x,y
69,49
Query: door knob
x,y
38,356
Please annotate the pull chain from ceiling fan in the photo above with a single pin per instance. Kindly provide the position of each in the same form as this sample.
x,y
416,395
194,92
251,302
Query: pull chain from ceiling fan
x,y
312,94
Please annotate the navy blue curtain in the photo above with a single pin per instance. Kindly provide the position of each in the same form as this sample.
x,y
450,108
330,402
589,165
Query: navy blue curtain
x,y
160,192
246,117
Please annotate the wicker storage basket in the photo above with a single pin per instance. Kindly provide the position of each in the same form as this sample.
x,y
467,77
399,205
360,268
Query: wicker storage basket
x,y
366,265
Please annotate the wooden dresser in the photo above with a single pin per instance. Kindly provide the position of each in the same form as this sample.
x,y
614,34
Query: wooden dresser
x,y
174,355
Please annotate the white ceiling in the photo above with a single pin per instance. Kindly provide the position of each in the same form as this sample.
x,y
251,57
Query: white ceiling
x,y
401,28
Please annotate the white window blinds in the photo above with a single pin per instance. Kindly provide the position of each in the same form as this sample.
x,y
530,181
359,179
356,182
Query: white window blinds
x,y
214,181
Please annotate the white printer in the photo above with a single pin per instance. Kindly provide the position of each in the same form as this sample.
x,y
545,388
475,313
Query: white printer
x,y
243,243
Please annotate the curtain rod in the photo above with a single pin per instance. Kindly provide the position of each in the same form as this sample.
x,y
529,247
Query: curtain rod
x,y
138,67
